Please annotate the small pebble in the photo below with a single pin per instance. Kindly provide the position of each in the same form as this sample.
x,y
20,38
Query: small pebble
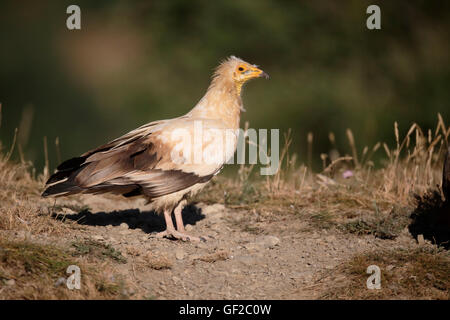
x,y
10,282
179,254
60,281
176,279
270,242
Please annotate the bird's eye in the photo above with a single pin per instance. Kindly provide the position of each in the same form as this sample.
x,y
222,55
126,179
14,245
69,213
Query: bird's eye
x,y
241,69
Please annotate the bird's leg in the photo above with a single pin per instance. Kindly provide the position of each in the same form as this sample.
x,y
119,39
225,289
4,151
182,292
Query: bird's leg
x,y
169,225
179,217
170,229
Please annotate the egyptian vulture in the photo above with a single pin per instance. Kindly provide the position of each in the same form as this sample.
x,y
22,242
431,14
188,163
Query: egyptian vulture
x,y
166,161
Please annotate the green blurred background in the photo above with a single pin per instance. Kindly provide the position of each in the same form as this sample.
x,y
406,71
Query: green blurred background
x,y
133,62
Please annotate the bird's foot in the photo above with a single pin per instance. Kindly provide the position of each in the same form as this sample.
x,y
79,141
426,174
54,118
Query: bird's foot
x,y
178,235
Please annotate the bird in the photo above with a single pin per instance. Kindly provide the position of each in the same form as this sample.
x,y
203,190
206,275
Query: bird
x,y
166,161
446,178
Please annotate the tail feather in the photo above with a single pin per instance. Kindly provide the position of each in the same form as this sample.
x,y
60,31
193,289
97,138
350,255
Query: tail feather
x,y
60,183
58,176
71,164
61,189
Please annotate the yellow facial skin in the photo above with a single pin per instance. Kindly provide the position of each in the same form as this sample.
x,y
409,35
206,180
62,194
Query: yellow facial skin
x,y
245,72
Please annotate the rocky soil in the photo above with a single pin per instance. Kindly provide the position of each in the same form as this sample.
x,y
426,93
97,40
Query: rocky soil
x,y
247,255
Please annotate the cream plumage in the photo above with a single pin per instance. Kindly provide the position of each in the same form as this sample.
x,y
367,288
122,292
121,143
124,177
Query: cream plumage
x,y
141,162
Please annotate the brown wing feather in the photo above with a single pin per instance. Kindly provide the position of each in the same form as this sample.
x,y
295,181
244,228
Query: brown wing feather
x,y
127,165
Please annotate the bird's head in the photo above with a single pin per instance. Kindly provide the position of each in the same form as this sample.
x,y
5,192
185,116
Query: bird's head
x,y
245,71
238,71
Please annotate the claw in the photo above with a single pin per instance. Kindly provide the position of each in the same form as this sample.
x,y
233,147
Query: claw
x,y
173,234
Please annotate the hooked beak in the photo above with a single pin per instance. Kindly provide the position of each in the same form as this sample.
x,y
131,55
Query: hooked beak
x,y
265,75
259,73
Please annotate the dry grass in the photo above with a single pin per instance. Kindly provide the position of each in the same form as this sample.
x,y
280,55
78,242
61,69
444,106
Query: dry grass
x,y
374,200
220,255
33,266
99,250
158,262
20,202
422,273
36,268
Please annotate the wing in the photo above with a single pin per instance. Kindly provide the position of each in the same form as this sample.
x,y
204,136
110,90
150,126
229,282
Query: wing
x,y
139,162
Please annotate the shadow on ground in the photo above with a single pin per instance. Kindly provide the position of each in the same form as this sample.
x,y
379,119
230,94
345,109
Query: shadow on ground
x,y
432,219
147,221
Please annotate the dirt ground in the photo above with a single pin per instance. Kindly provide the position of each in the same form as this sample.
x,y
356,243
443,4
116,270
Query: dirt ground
x,y
247,255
